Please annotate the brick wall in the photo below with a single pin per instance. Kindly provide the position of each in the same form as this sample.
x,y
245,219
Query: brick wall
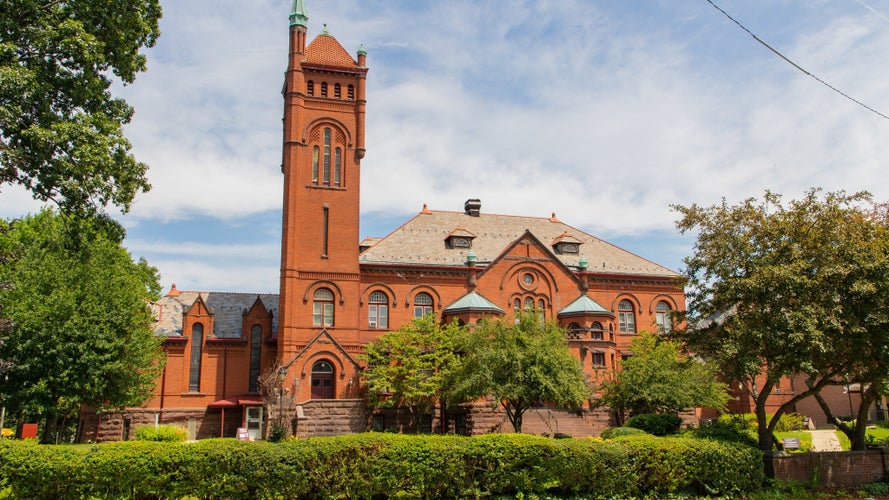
x,y
841,468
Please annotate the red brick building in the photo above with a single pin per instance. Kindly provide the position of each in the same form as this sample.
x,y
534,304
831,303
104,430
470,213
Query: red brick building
x,y
337,294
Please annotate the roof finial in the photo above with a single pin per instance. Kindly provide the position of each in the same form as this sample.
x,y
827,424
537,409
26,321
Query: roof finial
x,y
324,32
298,15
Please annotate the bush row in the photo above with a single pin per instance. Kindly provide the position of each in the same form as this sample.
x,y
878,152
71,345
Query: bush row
x,y
380,465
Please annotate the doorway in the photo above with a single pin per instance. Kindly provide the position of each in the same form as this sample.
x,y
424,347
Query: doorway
x,y
254,422
322,380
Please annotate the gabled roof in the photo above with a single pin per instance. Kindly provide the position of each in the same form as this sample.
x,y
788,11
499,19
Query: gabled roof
x,y
472,301
584,305
421,241
325,50
227,308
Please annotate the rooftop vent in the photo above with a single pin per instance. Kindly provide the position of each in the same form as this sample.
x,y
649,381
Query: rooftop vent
x,y
473,207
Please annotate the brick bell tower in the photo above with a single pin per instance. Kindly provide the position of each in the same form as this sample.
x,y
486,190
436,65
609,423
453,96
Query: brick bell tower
x,y
324,107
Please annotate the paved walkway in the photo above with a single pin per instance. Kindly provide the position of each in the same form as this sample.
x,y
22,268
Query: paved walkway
x,y
825,440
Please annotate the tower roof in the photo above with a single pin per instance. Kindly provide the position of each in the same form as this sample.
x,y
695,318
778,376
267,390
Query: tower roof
x,y
298,15
325,50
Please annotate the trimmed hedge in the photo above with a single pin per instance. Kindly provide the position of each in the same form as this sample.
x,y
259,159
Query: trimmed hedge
x,y
164,433
616,432
659,424
381,465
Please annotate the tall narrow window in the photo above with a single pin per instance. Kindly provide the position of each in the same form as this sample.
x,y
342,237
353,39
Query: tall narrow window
x,y
337,166
325,226
662,317
310,87
422,304
325,179
194,367
378,310
315,154
351,90
255,350
626,316
323,89
337,90
322,307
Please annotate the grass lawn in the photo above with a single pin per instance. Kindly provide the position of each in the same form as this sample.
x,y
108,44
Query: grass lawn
x,y
805,439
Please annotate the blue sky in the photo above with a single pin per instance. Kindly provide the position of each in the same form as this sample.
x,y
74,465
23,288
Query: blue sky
x,y
604,112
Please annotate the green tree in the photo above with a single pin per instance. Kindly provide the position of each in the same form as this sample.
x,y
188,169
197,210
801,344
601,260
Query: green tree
x,y
777,290
519,365
659,378
61,130
408,368
81,328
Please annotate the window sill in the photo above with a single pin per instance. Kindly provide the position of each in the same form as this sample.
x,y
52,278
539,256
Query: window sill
x,y
192,394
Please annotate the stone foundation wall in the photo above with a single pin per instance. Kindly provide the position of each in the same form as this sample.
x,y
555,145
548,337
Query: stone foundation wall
x,y
330,417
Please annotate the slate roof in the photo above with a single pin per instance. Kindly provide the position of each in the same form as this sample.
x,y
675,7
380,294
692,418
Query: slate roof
x,y
227,308
325,50
422,241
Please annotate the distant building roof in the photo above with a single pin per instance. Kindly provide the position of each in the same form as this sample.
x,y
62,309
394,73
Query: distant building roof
x,y
423,241
228,309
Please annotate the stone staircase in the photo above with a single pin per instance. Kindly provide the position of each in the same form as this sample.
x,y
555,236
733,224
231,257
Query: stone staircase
x,y
552,421
330,417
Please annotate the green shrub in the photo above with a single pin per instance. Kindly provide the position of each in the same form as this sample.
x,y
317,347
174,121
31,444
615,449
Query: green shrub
x,y
728,430
277,432
883,424
382,465
658,424
787,423
614,432
790,422
164,433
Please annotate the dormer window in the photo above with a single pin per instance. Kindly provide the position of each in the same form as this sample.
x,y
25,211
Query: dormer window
x,y
459,238
458,242
569,248
567,244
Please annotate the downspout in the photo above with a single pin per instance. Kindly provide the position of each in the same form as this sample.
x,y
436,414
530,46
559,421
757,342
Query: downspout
x,y
224,379
160,413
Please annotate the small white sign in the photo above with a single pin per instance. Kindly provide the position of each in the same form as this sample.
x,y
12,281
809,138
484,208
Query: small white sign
x,y
791,443
243,434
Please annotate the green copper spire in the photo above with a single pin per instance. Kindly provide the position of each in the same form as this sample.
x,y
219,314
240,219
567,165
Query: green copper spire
x,y
362,51
298,15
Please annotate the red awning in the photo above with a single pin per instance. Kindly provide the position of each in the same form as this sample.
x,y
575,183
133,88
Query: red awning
x,y
235,401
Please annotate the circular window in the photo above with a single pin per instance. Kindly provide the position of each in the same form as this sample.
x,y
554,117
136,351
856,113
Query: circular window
x,y
528,278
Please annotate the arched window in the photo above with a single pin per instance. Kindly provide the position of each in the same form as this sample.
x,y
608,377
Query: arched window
x,y
529,303
310,87
316,152
596,331
378,310
194,367
325,178
255,350
626,316
517,304
323,89
322,307
422,304
662,317
351,90
322,380
337,90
